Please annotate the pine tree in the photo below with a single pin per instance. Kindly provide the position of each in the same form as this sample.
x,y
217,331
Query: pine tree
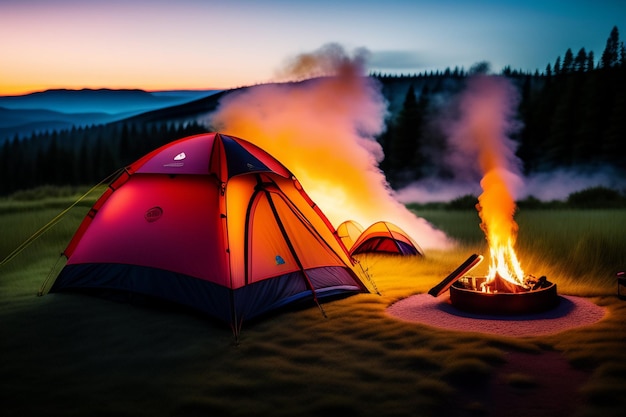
x,y
52,161
614,147
5,174
568,62
84,169
124,148
404,149
548,70
586,133
610,56
591,65
557,65
580,62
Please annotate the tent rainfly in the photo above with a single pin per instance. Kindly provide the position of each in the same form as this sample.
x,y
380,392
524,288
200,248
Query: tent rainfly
x,y
349,231
385,237
212,222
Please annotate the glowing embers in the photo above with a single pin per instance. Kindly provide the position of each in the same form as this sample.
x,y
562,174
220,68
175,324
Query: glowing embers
x,y
478,295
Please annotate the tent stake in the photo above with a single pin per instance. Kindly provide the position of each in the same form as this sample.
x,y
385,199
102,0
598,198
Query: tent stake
x,y
321,308
44,286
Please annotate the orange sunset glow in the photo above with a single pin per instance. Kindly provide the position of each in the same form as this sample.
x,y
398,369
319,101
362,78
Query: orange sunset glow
x,y
190,44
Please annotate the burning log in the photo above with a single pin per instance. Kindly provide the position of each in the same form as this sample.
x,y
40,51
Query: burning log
x,y
470,263
499,284
537,283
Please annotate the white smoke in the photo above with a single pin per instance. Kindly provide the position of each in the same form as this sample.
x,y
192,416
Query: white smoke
x,y
547,186
323,129
435,190
558,184
479,136
482,116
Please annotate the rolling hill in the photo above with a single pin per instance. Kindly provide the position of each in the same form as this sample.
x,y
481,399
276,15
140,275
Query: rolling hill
x,y
62,109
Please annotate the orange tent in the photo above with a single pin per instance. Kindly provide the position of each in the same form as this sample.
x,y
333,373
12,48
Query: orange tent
x,y
212,222
349,231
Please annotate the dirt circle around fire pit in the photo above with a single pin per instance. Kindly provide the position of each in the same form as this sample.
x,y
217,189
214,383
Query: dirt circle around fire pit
x,y
570,313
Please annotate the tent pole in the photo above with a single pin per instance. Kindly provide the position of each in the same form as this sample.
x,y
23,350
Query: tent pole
x,y
394,240
281,226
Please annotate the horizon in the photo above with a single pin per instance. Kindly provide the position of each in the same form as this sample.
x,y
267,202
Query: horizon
x,y
162,46
111,89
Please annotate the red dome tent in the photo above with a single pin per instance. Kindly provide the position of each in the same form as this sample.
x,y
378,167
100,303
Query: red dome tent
x,y
385,237
212,222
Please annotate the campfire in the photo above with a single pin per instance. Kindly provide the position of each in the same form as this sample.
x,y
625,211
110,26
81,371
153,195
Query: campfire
x,y
506,288
468,294
496,296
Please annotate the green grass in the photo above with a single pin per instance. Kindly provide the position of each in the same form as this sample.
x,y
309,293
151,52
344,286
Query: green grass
x,y
72,355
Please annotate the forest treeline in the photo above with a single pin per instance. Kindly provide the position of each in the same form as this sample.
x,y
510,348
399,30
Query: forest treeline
x,y
84,155
572,114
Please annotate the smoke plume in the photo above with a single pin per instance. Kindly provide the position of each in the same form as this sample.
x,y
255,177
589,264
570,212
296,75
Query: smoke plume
x,y
323,129
478,137
553,185
482,118
480,144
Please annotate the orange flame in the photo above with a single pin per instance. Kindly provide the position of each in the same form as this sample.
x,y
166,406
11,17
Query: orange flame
x,y
496,208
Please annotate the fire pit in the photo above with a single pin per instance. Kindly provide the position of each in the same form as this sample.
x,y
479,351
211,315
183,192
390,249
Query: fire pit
x,y
496,296
467,294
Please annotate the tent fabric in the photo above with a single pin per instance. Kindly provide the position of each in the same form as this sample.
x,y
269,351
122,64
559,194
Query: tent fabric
x,y
212,222
349,231
385,237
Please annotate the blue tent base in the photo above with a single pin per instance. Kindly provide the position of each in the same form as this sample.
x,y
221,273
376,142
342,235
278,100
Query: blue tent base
x,y
156,288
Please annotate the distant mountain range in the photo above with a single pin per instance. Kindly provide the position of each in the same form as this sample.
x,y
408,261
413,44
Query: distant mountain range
x,y
61,109
28,121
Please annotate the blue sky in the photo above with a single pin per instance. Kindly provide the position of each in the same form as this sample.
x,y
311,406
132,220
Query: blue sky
x,y
159,44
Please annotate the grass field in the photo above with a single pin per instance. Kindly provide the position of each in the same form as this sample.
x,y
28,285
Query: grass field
x,y
72,355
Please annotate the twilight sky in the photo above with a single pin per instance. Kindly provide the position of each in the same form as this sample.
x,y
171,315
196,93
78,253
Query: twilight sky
x,y
199,44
